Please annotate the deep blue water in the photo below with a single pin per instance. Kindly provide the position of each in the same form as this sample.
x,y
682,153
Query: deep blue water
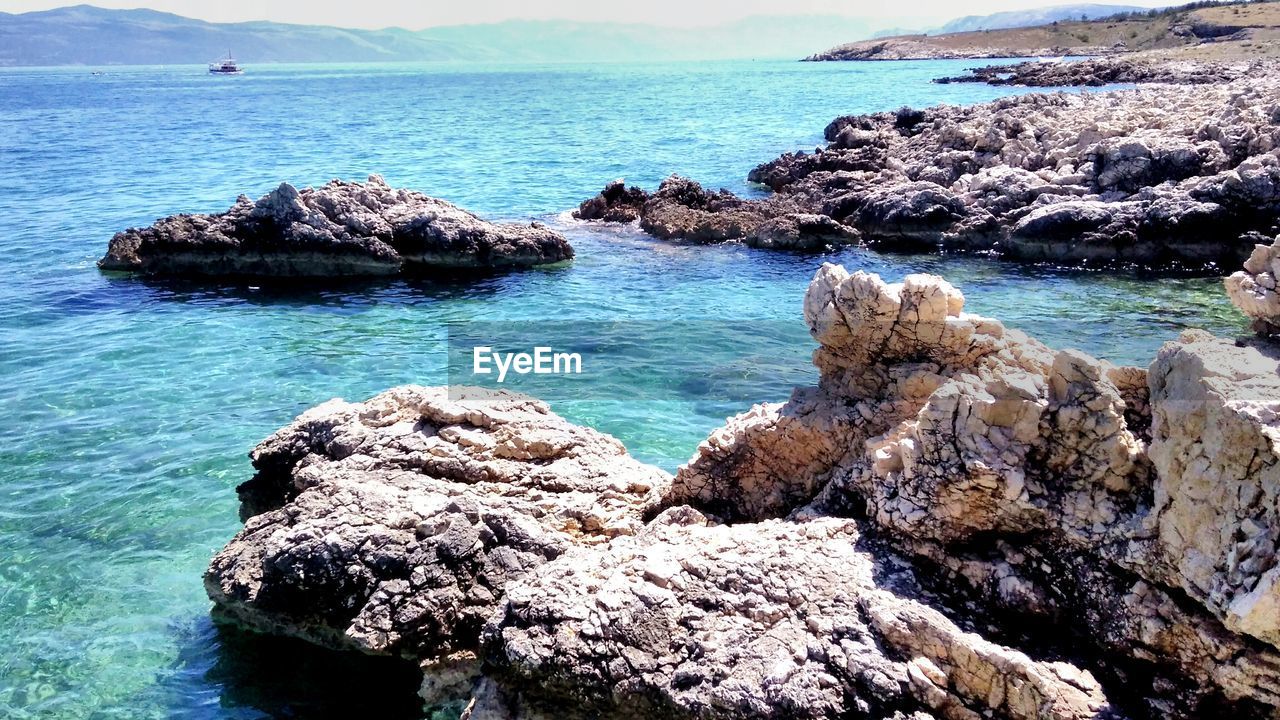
x,y
130,404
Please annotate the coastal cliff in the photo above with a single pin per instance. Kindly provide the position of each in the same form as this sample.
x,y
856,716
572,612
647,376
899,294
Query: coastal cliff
x,y
957,521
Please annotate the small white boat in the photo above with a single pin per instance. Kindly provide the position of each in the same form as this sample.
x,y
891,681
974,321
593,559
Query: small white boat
x,y
1051,60
225,66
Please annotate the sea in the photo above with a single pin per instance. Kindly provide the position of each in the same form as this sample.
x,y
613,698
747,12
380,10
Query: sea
x,y
129,404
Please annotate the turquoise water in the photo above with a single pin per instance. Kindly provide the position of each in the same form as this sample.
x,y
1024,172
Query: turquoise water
x,y
130,404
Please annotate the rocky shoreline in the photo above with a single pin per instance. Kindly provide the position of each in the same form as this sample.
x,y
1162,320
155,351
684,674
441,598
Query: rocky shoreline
x,y
955,522
1203,31
1164,178
1115,70
342,229
922,47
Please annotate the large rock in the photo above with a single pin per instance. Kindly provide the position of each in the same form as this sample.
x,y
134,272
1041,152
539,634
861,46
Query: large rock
x,y
769,620
339,229
1168,178
907,215
801,231
394,525
1216,448
683,210
616,203
1135,514
956,522
1253,289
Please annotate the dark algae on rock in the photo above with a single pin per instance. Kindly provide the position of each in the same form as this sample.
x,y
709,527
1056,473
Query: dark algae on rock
x,y
340,229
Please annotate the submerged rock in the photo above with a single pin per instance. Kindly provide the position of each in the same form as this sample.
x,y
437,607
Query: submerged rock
x,y
339,229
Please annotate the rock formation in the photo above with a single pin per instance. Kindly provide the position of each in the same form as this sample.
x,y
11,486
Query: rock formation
x,y
1162,177
955,522
1137,514
772,619
1253,289
1096,72
339,229
924,47
682,210
393,526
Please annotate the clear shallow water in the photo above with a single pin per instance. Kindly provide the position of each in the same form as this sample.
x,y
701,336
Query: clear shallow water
x,y
130,404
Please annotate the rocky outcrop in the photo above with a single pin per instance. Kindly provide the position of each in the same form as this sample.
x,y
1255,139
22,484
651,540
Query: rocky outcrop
x,y
683,210
1253,289
956,521
924,47
1170,179
1134,513
339,229
1096,72
393,526
775,619
616,203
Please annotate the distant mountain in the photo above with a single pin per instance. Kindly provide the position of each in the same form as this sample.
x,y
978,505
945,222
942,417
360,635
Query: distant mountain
x,y
559,40
1035,16
87,35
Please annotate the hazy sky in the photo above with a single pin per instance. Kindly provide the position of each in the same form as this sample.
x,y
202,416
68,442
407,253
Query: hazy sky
x,y
416,15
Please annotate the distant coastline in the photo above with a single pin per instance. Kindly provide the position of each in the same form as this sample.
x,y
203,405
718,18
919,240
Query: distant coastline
x,y
90,36
1203,31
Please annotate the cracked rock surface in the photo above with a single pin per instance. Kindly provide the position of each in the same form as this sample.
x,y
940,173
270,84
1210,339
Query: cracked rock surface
x,y
1134,509
956,522
1253,289
339,229
1173,178
776,619
394,525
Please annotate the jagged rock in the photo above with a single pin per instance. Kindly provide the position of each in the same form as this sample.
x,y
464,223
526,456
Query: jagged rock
x,y
1134,514
767,620
957,521
616,203
339,229
1077,231
907,215
1096,72
801,231
1166,178
394,525
1253,289
1129,164
1216,447
682,209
